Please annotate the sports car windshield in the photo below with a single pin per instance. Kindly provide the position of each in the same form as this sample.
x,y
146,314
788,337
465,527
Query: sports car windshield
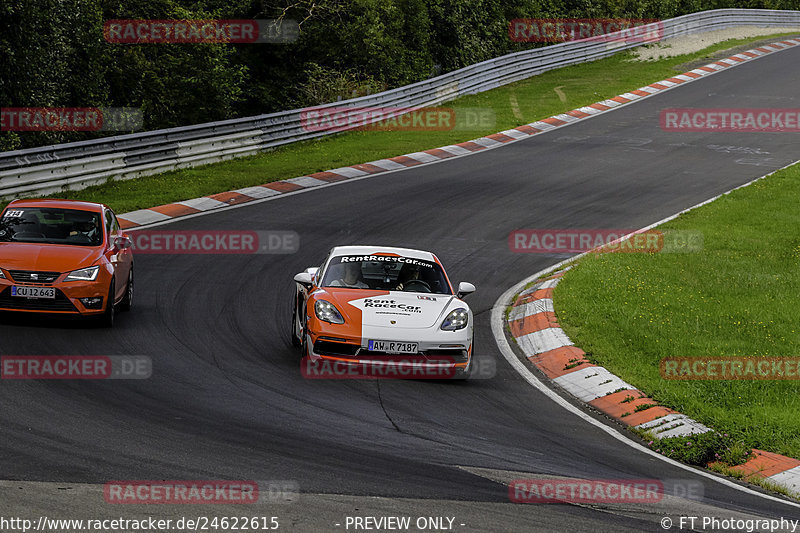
x,y
51,226
385,272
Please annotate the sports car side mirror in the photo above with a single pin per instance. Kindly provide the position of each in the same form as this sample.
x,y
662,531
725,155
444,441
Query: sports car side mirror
x,y
465,288
303,278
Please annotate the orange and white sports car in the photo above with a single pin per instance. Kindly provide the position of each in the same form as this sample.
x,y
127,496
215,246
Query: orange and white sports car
x,y
64,257
382,305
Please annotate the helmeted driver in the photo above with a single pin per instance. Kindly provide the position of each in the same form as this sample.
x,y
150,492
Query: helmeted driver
x,y
351,278
85,227
407,274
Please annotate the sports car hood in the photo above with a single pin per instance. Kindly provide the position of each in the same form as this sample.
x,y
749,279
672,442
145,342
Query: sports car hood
x,y
47,257
380,308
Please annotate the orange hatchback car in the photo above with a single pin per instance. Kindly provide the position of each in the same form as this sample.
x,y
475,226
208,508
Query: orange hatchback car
x,y
64,257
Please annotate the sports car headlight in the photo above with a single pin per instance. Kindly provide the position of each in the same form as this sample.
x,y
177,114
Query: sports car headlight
x,y
2,276
327,312
84,274
457,319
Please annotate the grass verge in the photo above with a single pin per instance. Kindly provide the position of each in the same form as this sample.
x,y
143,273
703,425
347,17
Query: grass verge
x,y
516,104
737,297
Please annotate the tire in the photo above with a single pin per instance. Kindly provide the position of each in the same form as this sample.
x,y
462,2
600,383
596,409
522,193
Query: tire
x,y
296,342
107,320
127,300
304,343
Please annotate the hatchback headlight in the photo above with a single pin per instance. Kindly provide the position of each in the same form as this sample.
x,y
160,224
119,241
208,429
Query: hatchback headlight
x,y
457,319
327,312
84,274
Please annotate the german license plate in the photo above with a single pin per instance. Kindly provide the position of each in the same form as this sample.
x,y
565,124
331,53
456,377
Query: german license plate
x,y
393,347
48,293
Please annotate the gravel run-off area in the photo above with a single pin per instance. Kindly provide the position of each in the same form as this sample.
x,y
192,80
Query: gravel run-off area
x,y
692,43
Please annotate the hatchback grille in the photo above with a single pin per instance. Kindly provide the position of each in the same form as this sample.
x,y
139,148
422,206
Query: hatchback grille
x,y
60,303
29,276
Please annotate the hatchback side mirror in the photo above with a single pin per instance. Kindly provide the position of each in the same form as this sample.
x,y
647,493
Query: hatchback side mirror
x,y
122,243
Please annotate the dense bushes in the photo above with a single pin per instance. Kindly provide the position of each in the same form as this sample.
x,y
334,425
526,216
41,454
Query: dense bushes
x,y
54,53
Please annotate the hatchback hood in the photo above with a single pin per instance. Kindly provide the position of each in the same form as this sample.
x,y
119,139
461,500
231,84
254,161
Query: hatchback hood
x,y
46,257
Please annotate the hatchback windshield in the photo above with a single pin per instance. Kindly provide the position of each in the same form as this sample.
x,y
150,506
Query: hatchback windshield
x,y
385,272
51,226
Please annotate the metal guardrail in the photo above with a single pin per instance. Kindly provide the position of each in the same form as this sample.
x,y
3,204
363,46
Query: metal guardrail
x,y
77,165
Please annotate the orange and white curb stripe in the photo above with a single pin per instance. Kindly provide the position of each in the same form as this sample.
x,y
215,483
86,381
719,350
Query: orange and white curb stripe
x,y
249,194
533,324
781,470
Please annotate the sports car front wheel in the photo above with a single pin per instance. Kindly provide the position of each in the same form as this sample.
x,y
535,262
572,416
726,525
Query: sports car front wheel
x,y
296,342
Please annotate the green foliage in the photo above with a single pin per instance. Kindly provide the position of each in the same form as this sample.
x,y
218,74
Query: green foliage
x,y
52,56
174,84
324,85
468,31
54,53
704,448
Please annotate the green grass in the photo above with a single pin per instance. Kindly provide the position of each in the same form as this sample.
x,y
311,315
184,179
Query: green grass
x,y
536,98
737,297
700,449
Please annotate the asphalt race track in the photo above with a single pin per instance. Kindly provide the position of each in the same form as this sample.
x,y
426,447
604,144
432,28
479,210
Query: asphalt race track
x,y
226,399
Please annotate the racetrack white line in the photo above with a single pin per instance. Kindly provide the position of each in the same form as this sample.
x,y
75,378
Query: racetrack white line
x,y
498,325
